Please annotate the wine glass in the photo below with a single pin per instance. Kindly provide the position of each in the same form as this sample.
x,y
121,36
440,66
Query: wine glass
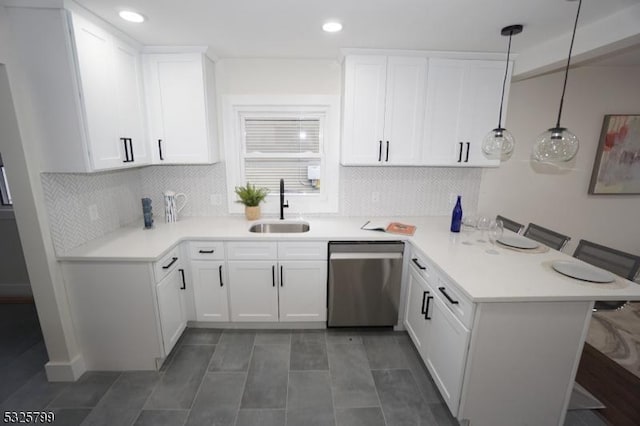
x,y
496,229
483,226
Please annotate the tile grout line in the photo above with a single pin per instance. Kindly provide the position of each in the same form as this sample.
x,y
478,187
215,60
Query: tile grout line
x,y
206,371
375,386
160,376
246,379
333,402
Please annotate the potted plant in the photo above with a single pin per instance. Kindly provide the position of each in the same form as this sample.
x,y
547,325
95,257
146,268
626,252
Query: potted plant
x,y
251,197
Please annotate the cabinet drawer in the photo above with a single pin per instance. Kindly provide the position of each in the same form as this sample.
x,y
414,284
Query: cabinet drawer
x,y
164,266
242,250
206,250
453,299
421,264
302,250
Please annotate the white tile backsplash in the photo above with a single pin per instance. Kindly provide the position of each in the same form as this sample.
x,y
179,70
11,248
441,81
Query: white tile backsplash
x,y
402,191
68,197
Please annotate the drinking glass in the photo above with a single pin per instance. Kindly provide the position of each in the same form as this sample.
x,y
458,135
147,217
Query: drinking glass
x,y
483,226
496,229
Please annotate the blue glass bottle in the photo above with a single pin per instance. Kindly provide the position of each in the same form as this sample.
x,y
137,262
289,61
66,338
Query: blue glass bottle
x,y
456,216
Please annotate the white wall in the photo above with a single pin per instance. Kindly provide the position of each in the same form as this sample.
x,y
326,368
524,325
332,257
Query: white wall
x,y
560,201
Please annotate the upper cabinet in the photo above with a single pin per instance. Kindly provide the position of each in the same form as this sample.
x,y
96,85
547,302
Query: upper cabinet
x,y
181,103
384,98
422,110
110,75
85,91
463,102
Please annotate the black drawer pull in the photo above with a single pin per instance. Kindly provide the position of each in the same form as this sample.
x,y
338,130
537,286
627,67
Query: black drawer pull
x,y
220,272
460,153
126,150
426,311
380,152
273,274
184,283
424,296
422,268
466,158
281,280
173,260
387,156
160,149
206,251
131,150
443,291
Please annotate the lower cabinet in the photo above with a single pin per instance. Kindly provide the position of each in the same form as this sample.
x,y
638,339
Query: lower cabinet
x,y
210,287
263,290
171,307
254,290
442,340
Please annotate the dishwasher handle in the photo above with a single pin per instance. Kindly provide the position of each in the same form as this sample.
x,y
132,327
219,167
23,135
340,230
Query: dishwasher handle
x,y
353,256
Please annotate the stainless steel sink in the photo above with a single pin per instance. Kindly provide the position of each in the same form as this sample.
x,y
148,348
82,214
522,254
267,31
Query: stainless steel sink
x,y
280,227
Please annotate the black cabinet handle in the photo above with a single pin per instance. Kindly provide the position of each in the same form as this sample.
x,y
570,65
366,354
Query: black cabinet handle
x,y
220,272
184,283
443,291
273,274
131,150
426,311
126,150
160,149
460,153
206,251
466,158
387,156
173,260
281,280
424,296
422,268
380,151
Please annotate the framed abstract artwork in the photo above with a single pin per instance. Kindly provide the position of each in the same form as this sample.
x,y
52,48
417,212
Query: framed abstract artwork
x,y
617,166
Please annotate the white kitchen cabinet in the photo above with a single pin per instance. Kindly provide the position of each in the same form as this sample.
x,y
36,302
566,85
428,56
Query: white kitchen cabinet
x,y
171,309
463,103
253,290
415,319
384,101
446,351
303,290
85,88
180,90
210,289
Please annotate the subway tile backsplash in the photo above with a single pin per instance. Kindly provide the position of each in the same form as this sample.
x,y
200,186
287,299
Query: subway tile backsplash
x,y
402,191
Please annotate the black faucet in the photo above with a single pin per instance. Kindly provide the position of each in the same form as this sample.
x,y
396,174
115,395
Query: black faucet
x,y
283,205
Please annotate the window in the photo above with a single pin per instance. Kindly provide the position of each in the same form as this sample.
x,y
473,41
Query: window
x,y
5,194
292,138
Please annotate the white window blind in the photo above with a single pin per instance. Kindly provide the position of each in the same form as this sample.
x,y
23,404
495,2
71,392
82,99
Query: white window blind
x,y
283,148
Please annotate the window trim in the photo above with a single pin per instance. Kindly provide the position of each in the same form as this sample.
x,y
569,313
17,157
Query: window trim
x,y
235,108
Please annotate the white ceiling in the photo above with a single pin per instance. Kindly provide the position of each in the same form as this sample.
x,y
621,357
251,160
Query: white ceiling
x,y
292,28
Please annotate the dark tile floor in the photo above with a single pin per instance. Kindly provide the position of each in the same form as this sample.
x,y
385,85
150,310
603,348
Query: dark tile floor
x,y
241,378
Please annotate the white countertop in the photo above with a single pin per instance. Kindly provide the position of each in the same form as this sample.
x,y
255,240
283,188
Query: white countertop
x,y
508,276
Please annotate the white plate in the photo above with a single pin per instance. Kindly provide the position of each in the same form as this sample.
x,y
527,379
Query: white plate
x,y
518,241
583,272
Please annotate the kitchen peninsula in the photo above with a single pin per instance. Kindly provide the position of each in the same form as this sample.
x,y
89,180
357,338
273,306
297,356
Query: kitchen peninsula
x,y
518,326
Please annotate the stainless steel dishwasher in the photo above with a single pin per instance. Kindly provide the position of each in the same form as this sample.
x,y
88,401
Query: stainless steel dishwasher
x,y
364,283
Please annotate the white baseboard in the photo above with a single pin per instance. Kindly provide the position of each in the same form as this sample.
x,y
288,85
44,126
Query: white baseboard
x,y
16,290
65,371
259,325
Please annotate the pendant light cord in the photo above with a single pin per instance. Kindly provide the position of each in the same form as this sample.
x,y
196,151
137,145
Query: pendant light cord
x,y
504,82
566,73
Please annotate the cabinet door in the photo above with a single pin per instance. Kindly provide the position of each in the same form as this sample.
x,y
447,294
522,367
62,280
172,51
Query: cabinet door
x,y
171,308
177,108
303,290
210,290
419,298
480,107
364,110
129,101
446,353
253,290
404,110
95,63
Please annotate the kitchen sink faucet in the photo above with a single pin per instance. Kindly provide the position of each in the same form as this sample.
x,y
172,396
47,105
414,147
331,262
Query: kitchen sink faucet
x,y
283,205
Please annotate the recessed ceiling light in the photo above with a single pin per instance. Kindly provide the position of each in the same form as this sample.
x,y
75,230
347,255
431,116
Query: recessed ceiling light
x,y
131,16
332,27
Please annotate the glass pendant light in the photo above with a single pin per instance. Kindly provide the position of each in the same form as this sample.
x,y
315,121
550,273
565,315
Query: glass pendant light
x,y
498,144
558,144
